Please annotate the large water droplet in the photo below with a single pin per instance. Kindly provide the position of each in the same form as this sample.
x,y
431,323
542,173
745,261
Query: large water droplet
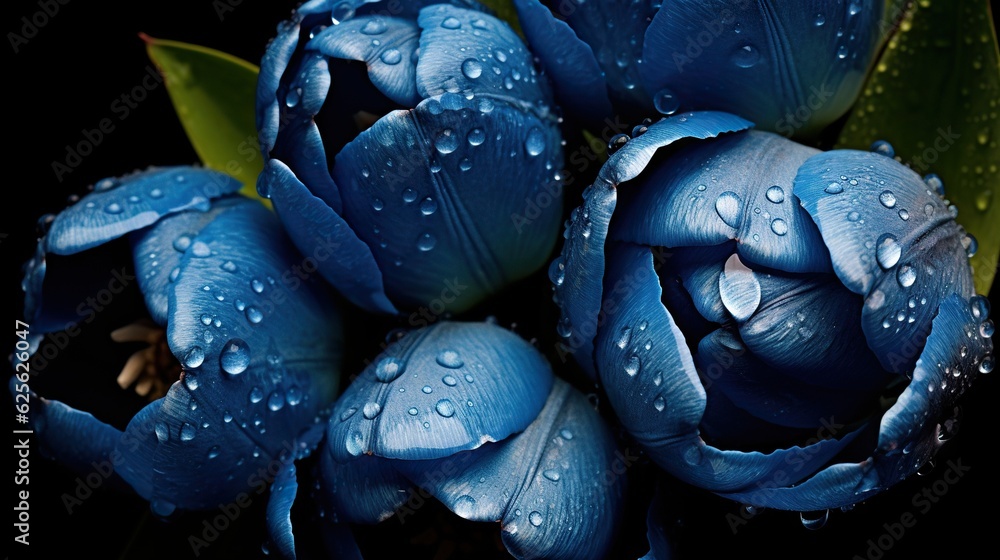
x,y
374,26
906,275
426,242
534,142
256,285
388,369
834,188
182,243
465,506
659,404
730,208
190,381
187,432
451,23
428,206
409,195
449,359
887,251
888,199
814,520
476,137
235,357
276,401
779,226
446,141
739,289
391,57
162,432
371,410
201,249
775,194
472,68
194,358
746,56
666,102
445,408
535,518
884,148
254,315
113,208
551,474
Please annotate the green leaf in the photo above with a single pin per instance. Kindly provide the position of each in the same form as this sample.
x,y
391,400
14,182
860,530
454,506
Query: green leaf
x,y
934,96
504,9
213,94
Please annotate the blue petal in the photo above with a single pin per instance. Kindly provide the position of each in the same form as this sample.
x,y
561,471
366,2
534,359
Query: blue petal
x,y
299,143
577,272
157,251
387,45
279,510
564,460
788,70
318,231
439,390
808,328
892,240
75,439
456,198
468,52
254,378
614,29
282,496
737,187
138,449
411,8
780,399
950,362
657,522
570,63
365,489
658,396
119,206
699,269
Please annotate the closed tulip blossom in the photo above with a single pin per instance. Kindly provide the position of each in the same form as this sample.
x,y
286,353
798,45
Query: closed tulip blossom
x,y
785,327
416,137
232,383
470,414
788,67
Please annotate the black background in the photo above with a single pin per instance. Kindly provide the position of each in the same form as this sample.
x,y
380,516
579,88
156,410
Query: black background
x,y
65,79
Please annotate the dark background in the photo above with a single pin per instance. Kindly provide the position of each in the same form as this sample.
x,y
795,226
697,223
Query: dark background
x,y
65,79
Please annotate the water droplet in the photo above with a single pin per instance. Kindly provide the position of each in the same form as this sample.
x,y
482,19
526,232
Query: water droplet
x,y
476,137
666,102
534,142
775,194
834,188
980,307
906,275
426,242
887,251
428,206
986,366
293,97
986,329
465,164
391,57
235,357
820,20
904,215
162,432
156,193
623,337
449,359
616,142
739,289
161,507
884,148
779,226
472,68
659,404
194,358
632,366
187,432
371,410
729,207
113,208
276,401
409,195
814,520
388,369
888,199
935,183
451,23
341,12
256,285
853,216
971,245
254,315
374,26
377,204
842,52
465,506
182,243
201,249
746,56
449,381
191,382
445,408
346,415
446,141
214,452
412,411
427,389
535,518
551,474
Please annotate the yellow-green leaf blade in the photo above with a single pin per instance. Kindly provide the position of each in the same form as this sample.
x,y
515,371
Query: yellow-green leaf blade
x,y
934,97
213,94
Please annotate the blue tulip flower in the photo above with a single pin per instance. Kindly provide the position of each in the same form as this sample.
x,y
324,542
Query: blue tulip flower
x,y
242,352
471,414
419,139
792,69
785,327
